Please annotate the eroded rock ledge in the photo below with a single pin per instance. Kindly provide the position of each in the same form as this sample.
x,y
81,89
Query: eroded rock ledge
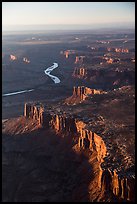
x,y
111,180
81,93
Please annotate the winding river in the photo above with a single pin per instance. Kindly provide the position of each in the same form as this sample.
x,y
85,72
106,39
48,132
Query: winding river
x,y
47,72
49,69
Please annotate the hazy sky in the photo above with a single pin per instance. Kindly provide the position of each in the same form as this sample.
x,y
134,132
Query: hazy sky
x,y
36,13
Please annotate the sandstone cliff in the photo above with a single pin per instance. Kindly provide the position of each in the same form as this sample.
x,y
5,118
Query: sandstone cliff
x,y
34,111
121,186
80,72
105,78
79,59
80,93
110,180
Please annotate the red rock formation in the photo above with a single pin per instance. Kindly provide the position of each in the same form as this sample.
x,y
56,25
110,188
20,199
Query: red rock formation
x,y
109,181
120,186
110,61
13,57
121,50
57,122
63,123
79,59
34,111
81,92
80,72
94,142
67,52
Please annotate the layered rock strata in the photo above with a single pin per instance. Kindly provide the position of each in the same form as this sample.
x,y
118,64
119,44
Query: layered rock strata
x,y
115,77
34,111
80,72
83,92
110,181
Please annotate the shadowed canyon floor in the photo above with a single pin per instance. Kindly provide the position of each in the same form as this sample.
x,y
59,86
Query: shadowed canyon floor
x,y
42,166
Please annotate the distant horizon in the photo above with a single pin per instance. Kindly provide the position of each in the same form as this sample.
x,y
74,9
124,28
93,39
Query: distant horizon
x,y
67,27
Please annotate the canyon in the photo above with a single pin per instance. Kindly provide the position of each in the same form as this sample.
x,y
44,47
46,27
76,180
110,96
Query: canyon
x,y
110,180
68,137
47,72
114,78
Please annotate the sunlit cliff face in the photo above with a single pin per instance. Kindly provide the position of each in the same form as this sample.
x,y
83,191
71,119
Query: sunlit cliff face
x,y
121,50
66,54
110,61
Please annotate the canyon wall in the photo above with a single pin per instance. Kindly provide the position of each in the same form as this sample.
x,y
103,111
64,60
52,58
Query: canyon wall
x,y
106,79
67,123
80,72
109,181
57,122
90,140
122,186
79,59
63,123
34,111
80,93
83,92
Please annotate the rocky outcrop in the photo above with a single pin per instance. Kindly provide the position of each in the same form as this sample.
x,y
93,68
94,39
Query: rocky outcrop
x,y
104,78
34,111
121,50
63,123
89,139
83,92
13,57
120,186
79,59
93,142
80,72
110,181
60,123
80,93
66,123
67,53
26,60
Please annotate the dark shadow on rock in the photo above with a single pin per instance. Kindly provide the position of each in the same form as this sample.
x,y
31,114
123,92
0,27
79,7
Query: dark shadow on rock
x,y
42,167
